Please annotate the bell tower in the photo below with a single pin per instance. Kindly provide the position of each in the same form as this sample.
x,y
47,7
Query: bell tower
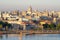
x,y
29,11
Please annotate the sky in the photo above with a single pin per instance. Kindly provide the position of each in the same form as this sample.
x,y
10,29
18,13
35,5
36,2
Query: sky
x,y
24,4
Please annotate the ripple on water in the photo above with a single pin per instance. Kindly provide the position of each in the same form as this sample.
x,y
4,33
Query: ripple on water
x,y
30,37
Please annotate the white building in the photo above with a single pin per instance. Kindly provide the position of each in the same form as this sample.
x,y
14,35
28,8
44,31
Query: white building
x,y
15,17
29,11
5,15
0,14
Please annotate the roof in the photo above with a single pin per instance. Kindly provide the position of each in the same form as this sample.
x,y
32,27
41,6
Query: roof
x,y
45,18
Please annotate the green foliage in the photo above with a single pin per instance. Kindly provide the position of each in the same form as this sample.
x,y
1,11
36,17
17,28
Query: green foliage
x,y
4,25
46,26
58,27
51,26
1,22
0,26
38,28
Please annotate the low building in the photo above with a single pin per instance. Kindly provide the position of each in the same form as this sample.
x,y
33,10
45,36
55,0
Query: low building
x,y
58,14
15,17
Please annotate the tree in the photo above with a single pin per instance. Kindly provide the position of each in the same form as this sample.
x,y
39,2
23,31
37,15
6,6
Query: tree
x,y
7,26
58,27
46,26
4,25
52,26
0,26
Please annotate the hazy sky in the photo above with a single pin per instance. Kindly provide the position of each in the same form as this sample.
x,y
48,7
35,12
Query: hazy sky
x,y
24,4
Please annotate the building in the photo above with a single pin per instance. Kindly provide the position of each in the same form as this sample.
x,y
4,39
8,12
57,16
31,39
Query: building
x,y
24,13
15,12
13,17
54,20
58,14
45,13
5,15
0,14
29,11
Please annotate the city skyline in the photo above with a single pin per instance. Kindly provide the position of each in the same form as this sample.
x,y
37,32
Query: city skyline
x,y
23,4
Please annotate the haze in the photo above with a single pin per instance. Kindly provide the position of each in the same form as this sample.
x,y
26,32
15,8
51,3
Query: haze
x,y
24,4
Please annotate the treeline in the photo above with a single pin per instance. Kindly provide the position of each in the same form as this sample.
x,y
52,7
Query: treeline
x,y
51,26
5,26
47,26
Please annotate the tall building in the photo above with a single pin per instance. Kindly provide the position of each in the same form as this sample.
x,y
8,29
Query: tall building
x,y
29,11
0,14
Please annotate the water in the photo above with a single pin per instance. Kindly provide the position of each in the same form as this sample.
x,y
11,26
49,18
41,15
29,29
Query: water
x,y
30,37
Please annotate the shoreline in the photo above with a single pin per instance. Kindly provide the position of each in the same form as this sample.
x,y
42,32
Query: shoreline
x,y
28,32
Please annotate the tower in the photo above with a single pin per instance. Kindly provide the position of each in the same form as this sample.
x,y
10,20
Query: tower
x,y
29,11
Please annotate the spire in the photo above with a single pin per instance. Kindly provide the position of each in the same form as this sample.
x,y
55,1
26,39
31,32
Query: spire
x,y
30,8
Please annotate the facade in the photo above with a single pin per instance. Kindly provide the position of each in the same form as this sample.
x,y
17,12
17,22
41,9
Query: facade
x,y
58,14
24,13
15,12
0,14
15,17
54,20
45,13
29,11
5,15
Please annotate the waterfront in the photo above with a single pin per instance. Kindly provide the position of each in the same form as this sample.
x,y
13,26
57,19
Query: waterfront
x,y
30,37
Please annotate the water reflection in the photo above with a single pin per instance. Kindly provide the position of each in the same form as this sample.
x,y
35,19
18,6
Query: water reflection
x,y
30,37
1,36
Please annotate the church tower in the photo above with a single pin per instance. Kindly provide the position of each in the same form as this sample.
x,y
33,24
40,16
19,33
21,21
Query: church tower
x,y
29,11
